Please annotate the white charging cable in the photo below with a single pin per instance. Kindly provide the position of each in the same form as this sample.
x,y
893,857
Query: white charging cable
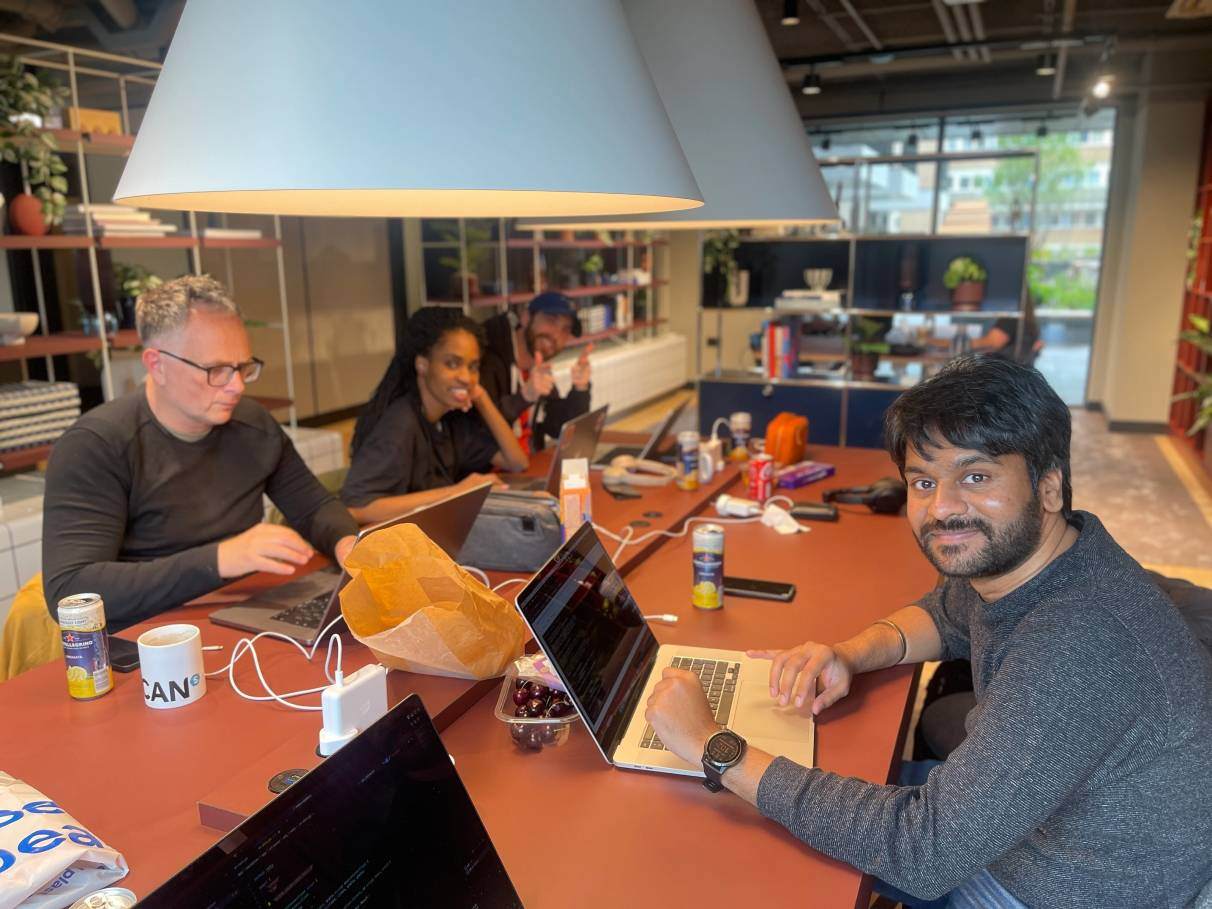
x,y
247,645
667,617
627,538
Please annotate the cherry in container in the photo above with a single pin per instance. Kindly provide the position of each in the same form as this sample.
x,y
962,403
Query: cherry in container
x,y
536,716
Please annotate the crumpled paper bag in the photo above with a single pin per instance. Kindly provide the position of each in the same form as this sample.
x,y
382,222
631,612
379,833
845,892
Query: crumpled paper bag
x,y
417,610
47,859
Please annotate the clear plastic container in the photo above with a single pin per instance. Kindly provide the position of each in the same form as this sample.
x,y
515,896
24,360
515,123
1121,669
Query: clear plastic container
x,y
531,733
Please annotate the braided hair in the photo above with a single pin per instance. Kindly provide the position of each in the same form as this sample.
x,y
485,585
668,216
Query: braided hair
x,y
424,329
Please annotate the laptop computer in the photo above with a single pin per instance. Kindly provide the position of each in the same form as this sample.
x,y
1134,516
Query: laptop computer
x,y
596,639
385,821
578,439
652,450
302,608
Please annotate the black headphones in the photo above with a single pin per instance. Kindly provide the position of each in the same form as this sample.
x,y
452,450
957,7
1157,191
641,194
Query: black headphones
x,y
885,496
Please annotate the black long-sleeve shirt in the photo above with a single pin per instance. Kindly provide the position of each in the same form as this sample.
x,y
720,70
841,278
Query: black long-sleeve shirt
x,y
496,376
1086,776
136,514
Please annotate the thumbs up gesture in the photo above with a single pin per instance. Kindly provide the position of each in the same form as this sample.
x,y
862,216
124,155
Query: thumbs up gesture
x,y
581,370
540,382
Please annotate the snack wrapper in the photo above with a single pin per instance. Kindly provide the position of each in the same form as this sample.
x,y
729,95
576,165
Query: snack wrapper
x,y
534,666
418,611
47,859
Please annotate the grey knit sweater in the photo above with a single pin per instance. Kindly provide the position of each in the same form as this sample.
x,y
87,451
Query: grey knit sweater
x,y
1086,776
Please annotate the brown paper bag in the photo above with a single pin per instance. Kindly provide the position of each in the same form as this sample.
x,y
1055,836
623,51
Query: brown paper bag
x,y
419,611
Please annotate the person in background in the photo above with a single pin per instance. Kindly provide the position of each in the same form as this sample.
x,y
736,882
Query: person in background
x,y
431,428
156,498
516,370
1003,339
1086,775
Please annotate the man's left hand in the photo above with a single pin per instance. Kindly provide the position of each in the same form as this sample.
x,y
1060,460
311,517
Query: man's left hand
x,y
343,548
580,371
679,712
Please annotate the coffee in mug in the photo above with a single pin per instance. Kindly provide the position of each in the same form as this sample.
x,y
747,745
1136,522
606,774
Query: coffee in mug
x,y
170,662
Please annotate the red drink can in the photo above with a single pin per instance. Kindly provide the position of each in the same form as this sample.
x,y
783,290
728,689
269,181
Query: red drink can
x,y
761,477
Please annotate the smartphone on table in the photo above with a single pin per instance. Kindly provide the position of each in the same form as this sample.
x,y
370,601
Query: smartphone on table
x,y
759,590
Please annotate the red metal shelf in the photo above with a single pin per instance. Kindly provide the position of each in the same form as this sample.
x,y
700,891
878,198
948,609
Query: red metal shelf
x,y
601,290
580,244
23,457
51,241
52,345
115,242
615,332
239,243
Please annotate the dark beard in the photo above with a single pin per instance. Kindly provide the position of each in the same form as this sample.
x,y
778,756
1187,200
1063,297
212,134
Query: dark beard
x,y
1006,550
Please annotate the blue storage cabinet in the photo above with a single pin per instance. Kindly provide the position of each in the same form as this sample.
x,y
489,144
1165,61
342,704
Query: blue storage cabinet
x,y
820,402
865,414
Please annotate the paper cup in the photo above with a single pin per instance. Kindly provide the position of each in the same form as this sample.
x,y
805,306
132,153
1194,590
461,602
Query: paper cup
x,y
170,661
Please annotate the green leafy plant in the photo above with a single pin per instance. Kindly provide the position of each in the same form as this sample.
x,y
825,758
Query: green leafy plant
x,y
480,250
719,253
962,269
593,264
867,337
1201,336
23,93
132,280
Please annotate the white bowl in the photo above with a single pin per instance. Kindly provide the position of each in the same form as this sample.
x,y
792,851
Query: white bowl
x,y
818,278
16,326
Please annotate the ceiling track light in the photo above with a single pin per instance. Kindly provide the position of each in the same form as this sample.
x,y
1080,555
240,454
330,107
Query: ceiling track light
x,y
1045,64
791,14
812,83
1102,87
911,142
826,144
1041,131
977,136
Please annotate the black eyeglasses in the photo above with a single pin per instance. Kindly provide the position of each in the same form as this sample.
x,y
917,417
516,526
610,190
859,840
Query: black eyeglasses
x,y
220,375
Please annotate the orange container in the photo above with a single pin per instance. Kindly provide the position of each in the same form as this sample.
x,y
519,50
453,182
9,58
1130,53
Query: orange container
x,y
787,438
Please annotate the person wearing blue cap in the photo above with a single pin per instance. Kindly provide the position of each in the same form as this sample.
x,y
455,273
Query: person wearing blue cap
x,y
516,367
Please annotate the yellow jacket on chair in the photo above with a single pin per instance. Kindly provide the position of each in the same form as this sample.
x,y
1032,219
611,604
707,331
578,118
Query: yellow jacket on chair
x,y
30,637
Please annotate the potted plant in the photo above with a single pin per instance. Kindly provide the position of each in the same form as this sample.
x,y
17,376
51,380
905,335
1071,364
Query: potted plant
x,y
965,278
479,253
865,344
592,267
131,281
719,265
24,100
1201,336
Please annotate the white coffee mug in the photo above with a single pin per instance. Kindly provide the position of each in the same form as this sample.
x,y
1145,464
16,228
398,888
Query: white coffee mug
x,y
170,661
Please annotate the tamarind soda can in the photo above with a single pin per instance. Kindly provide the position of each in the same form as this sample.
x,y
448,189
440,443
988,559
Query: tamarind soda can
x,y
85,646
707,591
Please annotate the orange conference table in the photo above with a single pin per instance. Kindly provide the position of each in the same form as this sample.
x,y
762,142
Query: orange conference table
x,y
138,777
650,839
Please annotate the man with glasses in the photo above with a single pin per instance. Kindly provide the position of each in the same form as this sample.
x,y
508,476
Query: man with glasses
x,y
156,498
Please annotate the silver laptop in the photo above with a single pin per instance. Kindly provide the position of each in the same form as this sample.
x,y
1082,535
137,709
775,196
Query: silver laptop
x,y
596,639
301,609
652,450
578,439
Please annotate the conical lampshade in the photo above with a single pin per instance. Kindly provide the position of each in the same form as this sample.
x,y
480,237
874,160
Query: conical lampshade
x,y
725,93
475,108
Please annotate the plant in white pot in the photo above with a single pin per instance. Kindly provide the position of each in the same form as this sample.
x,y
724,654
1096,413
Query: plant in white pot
x,y
965,278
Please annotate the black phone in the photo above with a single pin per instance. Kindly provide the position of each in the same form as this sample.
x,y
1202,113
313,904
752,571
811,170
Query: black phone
x,y
123,654
759,590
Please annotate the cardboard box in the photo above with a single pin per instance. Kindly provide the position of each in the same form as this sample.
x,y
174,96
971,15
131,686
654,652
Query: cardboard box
x,y
92,120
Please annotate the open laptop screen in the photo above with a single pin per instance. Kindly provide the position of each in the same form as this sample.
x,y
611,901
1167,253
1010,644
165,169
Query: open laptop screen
x,y
383,822
591,629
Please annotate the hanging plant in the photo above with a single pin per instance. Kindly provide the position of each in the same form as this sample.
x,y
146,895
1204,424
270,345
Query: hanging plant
x,y
22,95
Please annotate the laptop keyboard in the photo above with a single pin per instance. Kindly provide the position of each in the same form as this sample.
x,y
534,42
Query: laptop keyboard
x,y
718,678
308,614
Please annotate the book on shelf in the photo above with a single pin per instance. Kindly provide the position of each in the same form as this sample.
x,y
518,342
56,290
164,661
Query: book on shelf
x,y
232,233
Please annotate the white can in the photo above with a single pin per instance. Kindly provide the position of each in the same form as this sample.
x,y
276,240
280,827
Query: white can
x,y
736,507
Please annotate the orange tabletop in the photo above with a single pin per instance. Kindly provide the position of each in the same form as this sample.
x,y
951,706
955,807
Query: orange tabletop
x,y
648,839
141,779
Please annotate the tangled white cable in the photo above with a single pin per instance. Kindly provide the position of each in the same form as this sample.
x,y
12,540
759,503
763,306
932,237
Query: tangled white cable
x,y
628,538
246,645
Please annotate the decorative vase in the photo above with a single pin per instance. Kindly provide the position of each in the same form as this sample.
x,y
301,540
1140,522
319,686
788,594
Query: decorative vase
x,y
25,215
968,296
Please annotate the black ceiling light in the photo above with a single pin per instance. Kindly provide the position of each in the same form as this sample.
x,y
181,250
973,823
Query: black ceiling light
x,y
791,15
911,142
812,83
826,144
1041,131
1045,64
977,136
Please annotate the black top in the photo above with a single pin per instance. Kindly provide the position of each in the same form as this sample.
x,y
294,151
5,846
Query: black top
x,y
1025,352
136,514
1086,775
495,364
406,453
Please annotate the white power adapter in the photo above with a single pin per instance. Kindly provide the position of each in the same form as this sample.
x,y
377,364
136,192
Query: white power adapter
x,y
351,704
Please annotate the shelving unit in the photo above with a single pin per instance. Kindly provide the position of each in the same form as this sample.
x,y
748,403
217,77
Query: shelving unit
x,y
124,72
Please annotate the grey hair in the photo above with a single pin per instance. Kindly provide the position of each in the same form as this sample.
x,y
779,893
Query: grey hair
x,y
164,309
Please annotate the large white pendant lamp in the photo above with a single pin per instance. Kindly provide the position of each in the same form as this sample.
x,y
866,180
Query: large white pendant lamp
x,y
476,108
725,93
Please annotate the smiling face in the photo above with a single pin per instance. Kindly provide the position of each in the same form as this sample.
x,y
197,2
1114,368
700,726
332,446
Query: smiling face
x,y
450,372
548,334
974,515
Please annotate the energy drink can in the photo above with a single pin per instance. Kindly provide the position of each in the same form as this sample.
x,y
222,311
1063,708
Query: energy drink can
x,y
761,477
109,898
688,460
739,424
85,646
707,591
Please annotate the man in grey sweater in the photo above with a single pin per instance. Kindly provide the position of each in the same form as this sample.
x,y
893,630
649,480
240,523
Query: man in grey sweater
x,y
1086,776
156,498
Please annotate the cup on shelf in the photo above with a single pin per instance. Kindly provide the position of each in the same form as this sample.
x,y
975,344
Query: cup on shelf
x,y
818,278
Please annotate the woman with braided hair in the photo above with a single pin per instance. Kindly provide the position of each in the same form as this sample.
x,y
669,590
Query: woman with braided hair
x,y
429,429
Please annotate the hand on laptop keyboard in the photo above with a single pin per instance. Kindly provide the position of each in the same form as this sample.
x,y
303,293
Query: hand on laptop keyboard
x,y
718,678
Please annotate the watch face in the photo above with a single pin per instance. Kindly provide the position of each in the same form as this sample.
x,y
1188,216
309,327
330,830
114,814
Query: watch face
x,y
724,749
